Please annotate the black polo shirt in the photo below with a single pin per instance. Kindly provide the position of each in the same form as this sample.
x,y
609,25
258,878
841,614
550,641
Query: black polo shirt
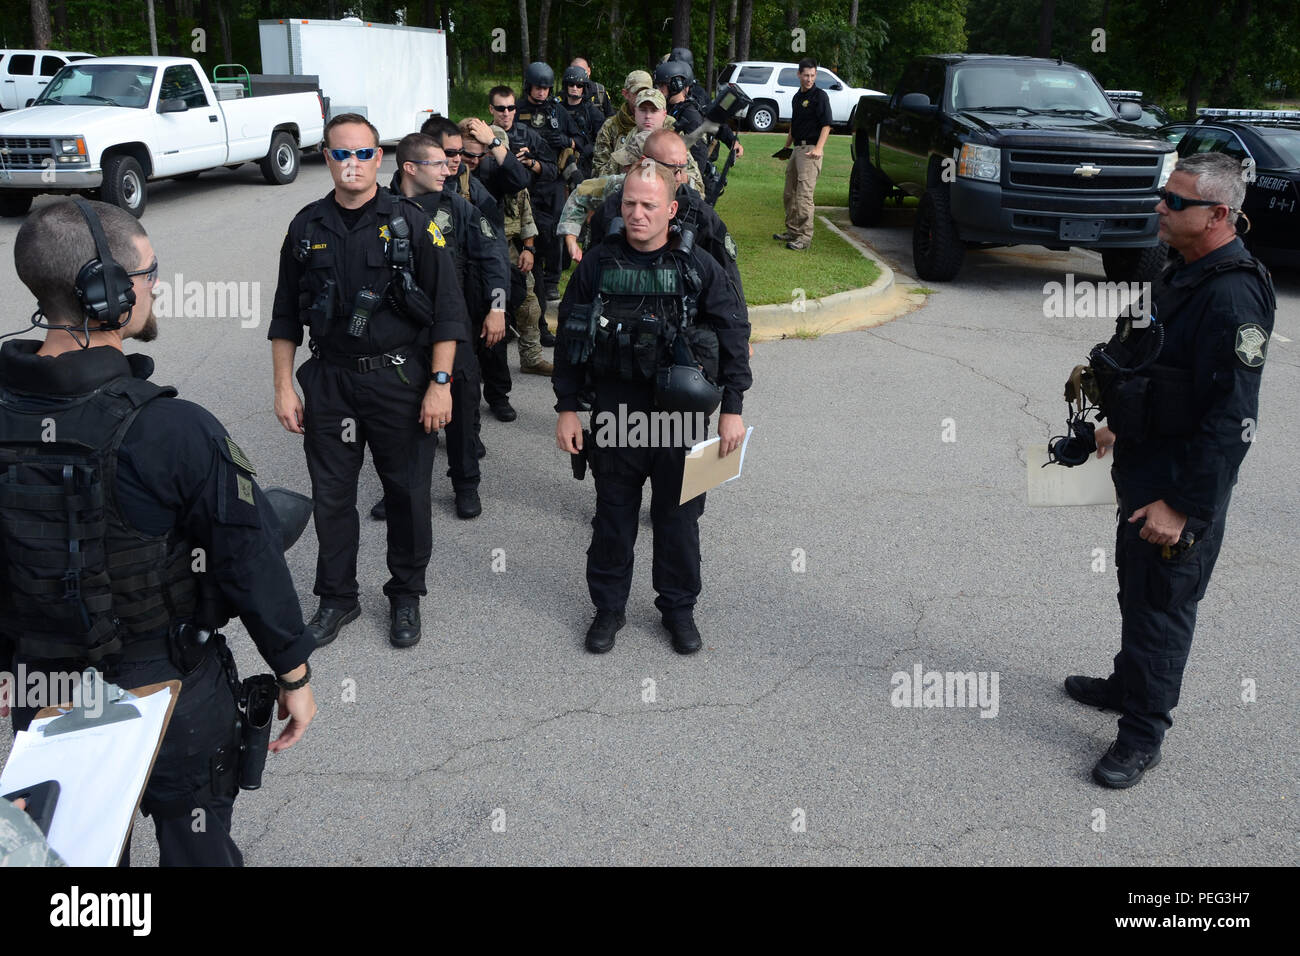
x,y
811,111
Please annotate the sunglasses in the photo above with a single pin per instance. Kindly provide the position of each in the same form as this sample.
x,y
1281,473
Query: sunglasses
x,y
1178,203
364,154
675,167
468,155
429,162
505,109
150,274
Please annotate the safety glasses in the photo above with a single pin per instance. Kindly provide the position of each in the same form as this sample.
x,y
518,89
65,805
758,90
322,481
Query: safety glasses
x,y
429,162
1178,203
365,154
150,274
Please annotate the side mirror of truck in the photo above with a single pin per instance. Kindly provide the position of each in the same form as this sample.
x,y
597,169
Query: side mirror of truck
x,y
175,105
1130,111
916,103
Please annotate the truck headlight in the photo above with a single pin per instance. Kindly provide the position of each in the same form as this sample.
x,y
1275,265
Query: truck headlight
x,y
1171,160
70,151
980,162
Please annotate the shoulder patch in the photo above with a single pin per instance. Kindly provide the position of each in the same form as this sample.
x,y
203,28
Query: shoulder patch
x,y
238,457
485,227
1251,345
442,222
435,235
730,245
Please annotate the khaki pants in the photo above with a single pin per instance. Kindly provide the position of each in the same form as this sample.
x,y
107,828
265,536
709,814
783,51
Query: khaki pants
x,y
800,183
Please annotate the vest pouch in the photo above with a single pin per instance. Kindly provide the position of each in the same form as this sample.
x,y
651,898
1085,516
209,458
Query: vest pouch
x,y
703,342
1125,404
646,347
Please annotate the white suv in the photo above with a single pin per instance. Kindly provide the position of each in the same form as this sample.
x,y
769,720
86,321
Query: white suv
x,y
772,87
24,73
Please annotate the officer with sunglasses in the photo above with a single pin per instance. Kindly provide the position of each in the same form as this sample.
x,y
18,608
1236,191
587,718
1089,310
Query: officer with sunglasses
x,y
368,273
1180,396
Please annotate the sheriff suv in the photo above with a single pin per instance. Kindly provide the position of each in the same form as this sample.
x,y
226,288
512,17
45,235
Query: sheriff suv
x,y
1267,143
1005,151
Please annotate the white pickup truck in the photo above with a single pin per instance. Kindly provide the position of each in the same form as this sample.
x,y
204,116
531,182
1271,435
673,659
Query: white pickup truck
x,y
107,126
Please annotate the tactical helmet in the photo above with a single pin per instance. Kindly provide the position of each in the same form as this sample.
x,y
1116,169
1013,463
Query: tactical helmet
x,y
674,74
683,388
538,74
683,54
575,75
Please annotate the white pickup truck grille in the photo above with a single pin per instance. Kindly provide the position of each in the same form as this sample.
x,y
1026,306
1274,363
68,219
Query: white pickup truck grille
x,y
22,152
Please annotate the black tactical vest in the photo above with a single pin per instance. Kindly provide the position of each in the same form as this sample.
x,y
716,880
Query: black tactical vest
x,y
79,583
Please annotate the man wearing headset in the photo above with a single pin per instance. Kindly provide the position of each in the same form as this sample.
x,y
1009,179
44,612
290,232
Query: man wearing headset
x,y
150,482
1180,430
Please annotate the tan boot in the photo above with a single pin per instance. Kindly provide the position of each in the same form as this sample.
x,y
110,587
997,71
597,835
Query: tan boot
x,y
541,367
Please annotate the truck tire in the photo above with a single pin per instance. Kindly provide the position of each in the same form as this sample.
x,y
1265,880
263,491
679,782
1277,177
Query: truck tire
x,y
15,202
1134,265
762,116
280,165
124,185
867,192
937,251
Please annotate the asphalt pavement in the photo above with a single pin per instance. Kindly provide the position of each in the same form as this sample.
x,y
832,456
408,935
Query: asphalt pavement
x,y
859,544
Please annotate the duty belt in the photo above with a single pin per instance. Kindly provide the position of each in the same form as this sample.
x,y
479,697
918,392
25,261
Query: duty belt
x,y
367,363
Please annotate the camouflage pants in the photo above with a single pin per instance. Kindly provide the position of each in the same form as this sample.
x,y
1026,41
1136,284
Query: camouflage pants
x,y
527,318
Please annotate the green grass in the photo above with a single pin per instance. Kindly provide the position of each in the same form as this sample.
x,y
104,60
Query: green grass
x,y
923,290
752,209
471,97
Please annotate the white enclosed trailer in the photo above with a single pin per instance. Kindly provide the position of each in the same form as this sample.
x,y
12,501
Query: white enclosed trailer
x,y
394,76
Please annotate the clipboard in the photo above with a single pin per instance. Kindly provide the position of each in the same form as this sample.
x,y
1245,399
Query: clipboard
x,y
118,709
703,470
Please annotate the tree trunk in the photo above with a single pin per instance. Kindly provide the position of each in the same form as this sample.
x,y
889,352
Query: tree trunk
x,y
1223,87
170,18
223,25
615,25
41,38
742,29
444,22
1045,28
853,14
651,57
681,23
543,23
708,55
59,8
731,31
523,34
792,15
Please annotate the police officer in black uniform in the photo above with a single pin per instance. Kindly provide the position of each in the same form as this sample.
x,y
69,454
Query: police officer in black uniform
x,y
634,305
153,483
482,270
550,121
596,92
536,155
1180,397
493,372
587,117
676,81
696,92
363,269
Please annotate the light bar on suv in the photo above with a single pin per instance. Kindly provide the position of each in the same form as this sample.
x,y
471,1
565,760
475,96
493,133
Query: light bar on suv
x,y
1251,114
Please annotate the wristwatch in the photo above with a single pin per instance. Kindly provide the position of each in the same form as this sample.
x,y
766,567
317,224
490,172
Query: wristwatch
x,y
531,250
296,684
496,141
442,378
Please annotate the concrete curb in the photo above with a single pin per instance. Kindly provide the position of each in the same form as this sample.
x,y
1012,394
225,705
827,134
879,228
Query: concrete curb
x,y
881,302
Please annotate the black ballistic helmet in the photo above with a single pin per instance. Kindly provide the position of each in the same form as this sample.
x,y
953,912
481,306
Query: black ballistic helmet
x,y
575,75
538,74
674,74
683,54
683,388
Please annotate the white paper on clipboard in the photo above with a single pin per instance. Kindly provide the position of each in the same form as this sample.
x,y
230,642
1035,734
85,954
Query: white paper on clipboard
x,y
1059,486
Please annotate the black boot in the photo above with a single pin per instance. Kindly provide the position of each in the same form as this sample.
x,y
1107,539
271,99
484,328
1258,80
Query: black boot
x,y
1093,691
600,636
467,503
686,638
405,628
1123,766
379,511
328,621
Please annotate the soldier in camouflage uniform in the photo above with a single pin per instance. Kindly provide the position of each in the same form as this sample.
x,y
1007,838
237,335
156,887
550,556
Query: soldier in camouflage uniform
x,y
622,122
21,840
521,232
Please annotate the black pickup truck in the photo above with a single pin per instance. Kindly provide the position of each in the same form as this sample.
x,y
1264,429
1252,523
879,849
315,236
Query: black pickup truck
x,y
1009,150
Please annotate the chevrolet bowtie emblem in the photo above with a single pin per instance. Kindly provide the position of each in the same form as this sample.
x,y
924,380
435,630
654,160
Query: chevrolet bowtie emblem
x,y
1087,169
